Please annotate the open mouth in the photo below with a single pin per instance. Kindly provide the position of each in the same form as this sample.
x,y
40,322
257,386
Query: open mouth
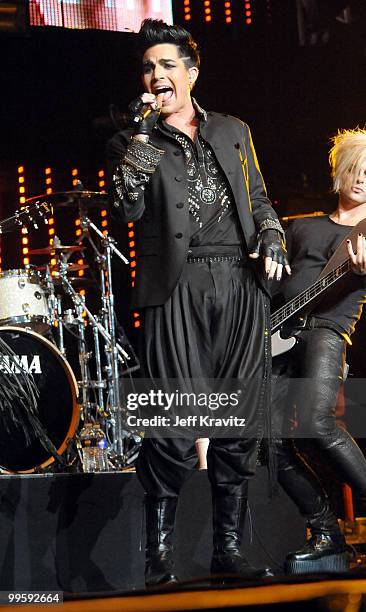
x,y
164,92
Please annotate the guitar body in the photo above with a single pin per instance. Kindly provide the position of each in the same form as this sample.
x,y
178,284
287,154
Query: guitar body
x,y
281,345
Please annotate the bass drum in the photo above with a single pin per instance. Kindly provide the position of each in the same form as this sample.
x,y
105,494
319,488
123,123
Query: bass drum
x,y
58,410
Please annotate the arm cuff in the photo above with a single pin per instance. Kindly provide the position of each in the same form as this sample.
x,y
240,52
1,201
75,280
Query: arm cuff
x,y
271,224
143,156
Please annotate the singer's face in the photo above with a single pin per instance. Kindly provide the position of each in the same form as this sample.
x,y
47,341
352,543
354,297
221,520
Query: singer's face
x,y
163,70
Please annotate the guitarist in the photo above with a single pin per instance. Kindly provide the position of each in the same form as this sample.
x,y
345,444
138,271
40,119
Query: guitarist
x,y
306,380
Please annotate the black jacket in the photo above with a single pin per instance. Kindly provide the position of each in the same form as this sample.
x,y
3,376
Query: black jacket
x,y
163,232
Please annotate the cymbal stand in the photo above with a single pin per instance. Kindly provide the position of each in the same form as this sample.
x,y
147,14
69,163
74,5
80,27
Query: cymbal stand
x,y
115,408
60,327
84,355
115,350
100,382
55,309
75,318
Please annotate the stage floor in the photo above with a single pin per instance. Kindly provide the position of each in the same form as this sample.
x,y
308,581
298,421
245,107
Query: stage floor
x,y
83,533
322,593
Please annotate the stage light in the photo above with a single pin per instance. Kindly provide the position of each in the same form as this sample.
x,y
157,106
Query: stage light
x,y
78,231
103,213
51,220
227,12
207,10
248,12
13,16
22,198
187,10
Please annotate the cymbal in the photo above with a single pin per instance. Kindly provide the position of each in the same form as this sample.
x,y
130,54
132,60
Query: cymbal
x,y
51,250
72,267
73,199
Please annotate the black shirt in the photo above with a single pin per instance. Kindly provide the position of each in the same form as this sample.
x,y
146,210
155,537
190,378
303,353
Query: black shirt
x,y
213,217
311,243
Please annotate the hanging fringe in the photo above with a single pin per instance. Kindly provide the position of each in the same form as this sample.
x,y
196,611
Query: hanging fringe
x,y
19,401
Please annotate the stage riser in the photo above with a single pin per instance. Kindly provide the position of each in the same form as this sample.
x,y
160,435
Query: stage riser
x,y
84,532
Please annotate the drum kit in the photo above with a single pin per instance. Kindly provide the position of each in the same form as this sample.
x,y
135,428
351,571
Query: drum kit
x,y
43,318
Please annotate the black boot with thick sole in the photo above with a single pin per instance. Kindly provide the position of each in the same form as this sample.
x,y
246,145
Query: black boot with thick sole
x,y
326,550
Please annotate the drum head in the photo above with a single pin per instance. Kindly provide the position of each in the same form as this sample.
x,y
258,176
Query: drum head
x,y
57,406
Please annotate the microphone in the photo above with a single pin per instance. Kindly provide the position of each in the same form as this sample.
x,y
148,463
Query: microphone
x,y
143,114
147,109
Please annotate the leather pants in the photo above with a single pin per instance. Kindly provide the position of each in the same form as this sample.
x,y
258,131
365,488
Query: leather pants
x,y
305,387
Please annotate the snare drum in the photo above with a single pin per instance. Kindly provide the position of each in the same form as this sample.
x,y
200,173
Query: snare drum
x,y
57,406
23,301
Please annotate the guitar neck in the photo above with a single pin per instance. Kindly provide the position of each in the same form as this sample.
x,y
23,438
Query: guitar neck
x,y
26,214
308,295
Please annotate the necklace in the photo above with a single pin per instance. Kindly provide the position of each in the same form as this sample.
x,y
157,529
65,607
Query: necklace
x,y
208,185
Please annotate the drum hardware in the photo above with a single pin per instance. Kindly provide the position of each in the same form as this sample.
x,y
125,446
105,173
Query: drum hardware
x,y
77,281
116,357
81,307
71,267
100,398
59,325
100,382
113,351
59,248
86,385
73,199
93,384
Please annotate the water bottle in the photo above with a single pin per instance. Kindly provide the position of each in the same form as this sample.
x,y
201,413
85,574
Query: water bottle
x,y
94,448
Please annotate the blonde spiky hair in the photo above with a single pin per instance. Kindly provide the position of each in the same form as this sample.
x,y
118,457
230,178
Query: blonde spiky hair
x,y
347,155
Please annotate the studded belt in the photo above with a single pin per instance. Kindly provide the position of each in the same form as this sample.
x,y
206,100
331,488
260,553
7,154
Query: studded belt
x,y
214,258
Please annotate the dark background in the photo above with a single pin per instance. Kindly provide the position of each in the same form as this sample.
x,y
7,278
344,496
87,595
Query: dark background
x,y
57,85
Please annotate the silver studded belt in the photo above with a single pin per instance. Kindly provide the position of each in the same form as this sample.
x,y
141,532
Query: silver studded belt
x,y
213,258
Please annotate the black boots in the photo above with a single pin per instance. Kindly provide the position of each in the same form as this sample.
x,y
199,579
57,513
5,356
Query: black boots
x,y
326,550
228,523
160,519
228,562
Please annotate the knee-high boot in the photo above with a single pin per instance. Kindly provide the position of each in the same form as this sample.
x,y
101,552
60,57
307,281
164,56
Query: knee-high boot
x,y
228,525
160,521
